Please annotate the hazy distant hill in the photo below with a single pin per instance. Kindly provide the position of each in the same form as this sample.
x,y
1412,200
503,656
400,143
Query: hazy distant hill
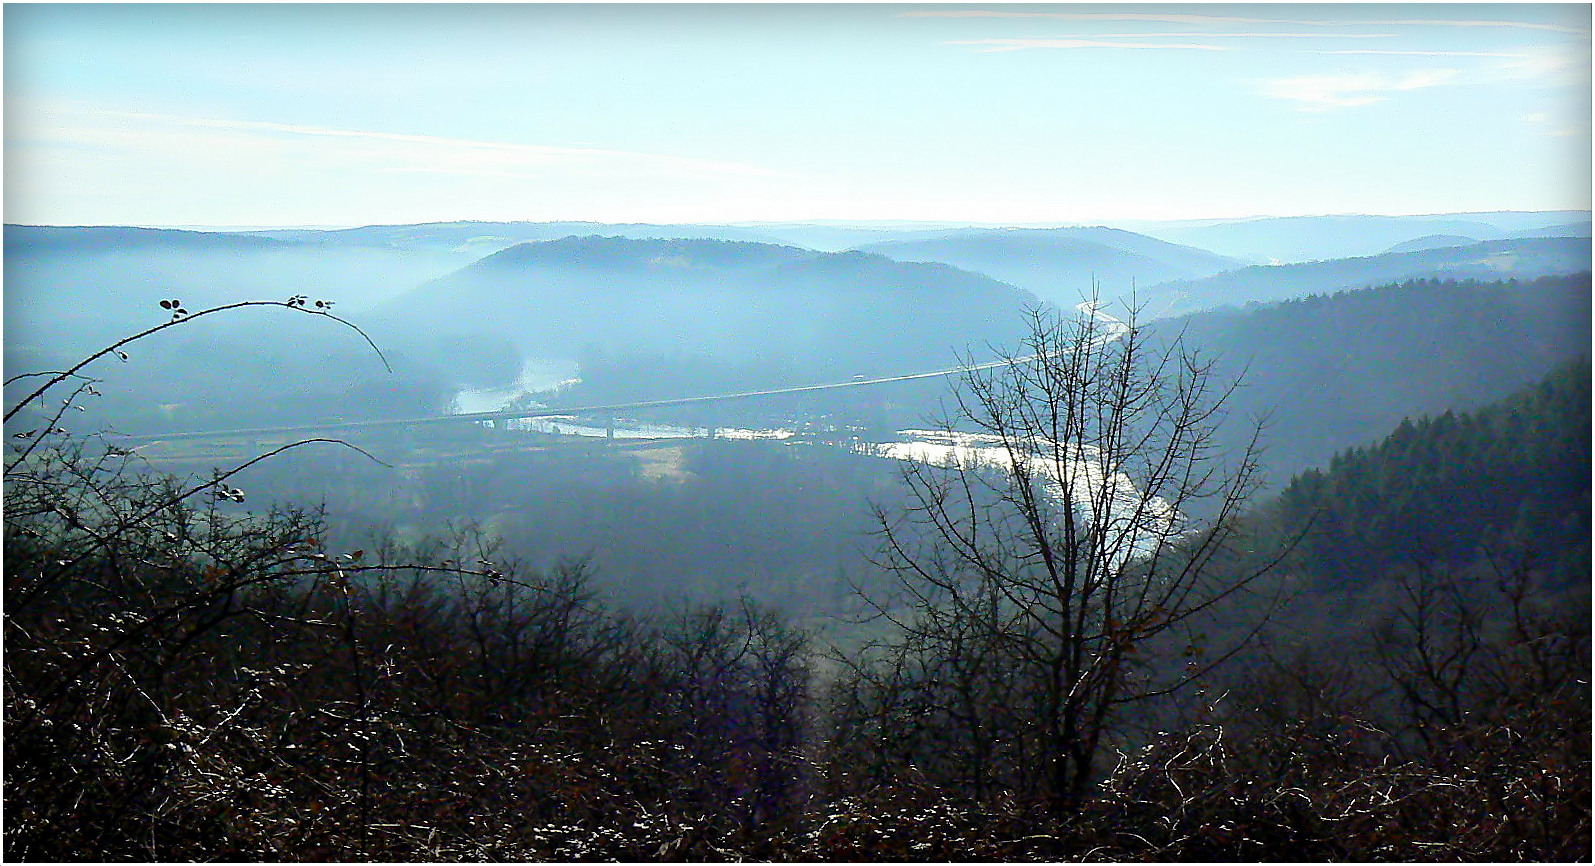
x,y
1340,370
1315,238
1061,265
23,240
833,237
1432,242
482,238
477,239
1579,229
652,309
76,287
812,312
72,290
1514,258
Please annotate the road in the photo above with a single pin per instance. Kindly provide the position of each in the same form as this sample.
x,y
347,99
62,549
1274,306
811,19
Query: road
x,y
551,411
610,408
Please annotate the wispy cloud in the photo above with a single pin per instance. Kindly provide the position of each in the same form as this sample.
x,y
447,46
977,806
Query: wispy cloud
x,y
1505,25
1419,52
1555,127
1538,65
1555,65
1023,44
1256,34
1327,92
371,150
1195,18
1136,40
1162,18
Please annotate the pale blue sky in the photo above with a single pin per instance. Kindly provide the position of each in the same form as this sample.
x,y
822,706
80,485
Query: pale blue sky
x,y
232,115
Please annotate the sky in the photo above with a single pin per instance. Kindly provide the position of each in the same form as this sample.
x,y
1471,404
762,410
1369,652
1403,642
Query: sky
x,y
233,115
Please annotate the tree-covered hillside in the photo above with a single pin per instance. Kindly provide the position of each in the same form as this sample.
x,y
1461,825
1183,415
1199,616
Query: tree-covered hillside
x,y
1438,614
1334,371
801,314
1446,490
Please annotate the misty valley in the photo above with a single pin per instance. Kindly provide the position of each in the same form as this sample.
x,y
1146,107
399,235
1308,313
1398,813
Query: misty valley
x,y
1210,539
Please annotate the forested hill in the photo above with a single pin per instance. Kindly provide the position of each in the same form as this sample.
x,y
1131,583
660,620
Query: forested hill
x,y
1443,490
809,313
1331,372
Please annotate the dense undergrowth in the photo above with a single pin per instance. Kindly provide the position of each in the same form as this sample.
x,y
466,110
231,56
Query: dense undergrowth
x,y
187,681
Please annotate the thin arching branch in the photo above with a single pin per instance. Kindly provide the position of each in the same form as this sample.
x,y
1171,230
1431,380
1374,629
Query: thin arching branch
x,y
296,303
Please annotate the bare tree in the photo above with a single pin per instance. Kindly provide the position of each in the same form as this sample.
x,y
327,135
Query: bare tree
x,y
1072,550
736,683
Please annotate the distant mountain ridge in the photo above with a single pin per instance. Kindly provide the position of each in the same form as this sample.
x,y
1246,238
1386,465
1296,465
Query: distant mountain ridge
x,y
76,287
22,239
1061,265
1252,240
1432,242
1524,258
1320,238
483,238
594,251
69,287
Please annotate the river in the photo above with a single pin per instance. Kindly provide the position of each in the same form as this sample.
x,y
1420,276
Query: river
x,y
1080,472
